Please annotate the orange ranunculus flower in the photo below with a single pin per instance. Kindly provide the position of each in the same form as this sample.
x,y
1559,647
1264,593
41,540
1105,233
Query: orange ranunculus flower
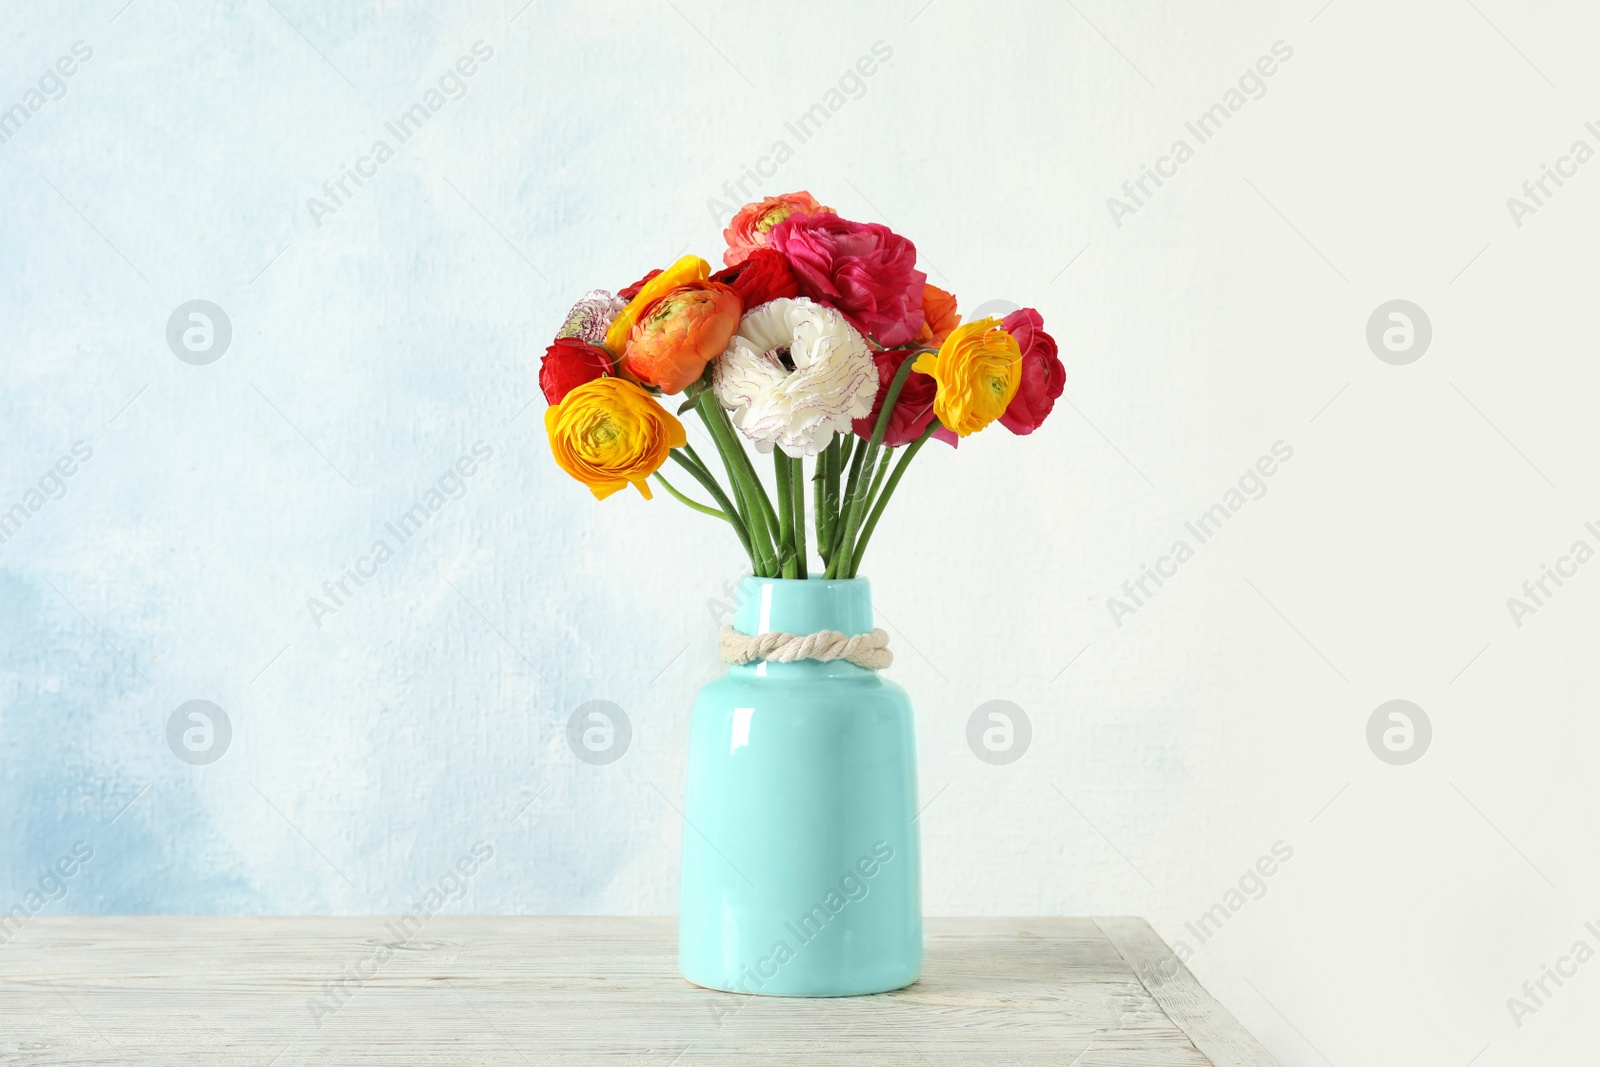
x,y
939,307
978,369
748,229
609,433
680,333
687,269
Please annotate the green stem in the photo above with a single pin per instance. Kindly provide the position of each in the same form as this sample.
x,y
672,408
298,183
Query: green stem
x,y
757,509
783,469
756,497
760,532
797,522
888,491
729,512
858,500
702,508
752,496
688,448
839,506
825,482
877,481
686,459
770,543
757,559
732,440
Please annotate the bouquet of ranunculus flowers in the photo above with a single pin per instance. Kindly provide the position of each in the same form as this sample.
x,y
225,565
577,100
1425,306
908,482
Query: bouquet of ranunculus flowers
x,y
821,338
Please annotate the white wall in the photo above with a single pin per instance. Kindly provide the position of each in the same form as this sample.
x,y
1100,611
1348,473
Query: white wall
x,y
1226,314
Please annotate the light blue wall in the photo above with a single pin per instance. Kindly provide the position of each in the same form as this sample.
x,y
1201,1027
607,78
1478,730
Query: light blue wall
x,y
371,347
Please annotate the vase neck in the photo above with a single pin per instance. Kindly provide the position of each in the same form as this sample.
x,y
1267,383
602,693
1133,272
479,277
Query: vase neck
x,y
803,605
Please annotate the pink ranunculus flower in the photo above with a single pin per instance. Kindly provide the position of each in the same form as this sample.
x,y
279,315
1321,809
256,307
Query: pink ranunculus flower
x,y
864,269
752,225
1043,374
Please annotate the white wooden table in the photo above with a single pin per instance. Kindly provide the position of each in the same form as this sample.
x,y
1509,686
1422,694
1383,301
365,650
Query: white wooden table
x,y
119,990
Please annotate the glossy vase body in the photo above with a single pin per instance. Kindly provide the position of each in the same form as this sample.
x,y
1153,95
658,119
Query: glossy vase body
x,y
802,871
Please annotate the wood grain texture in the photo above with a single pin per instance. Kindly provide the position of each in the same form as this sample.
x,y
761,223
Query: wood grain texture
x,y
120,990
1209,1027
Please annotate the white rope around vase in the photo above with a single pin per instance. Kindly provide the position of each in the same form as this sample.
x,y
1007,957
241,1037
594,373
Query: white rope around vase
x,y
869,650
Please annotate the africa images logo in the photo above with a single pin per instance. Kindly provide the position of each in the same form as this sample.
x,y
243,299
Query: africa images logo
x,y
52,485
52,86
853,887
1252,85
452,86
451,485
1252,485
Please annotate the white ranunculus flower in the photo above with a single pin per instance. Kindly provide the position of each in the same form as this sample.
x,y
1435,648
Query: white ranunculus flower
x,y
591,316
795,374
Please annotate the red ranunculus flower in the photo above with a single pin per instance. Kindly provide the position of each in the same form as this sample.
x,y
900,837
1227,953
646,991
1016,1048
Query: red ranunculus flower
x,y
761,276
1043,374
633,290
912,411
864,269
569,363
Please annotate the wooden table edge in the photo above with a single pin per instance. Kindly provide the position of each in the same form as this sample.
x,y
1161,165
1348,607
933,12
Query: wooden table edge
x,y
1210,1027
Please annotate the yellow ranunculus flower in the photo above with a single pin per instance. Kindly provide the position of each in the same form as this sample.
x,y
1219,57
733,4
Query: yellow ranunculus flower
x,y
687,269
978,368
609,433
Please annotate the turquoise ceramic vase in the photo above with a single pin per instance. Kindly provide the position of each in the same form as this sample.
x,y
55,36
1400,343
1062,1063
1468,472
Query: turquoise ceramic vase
x,y
801,864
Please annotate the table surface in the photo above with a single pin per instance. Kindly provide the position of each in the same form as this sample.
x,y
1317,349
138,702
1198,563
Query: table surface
x,y
119,990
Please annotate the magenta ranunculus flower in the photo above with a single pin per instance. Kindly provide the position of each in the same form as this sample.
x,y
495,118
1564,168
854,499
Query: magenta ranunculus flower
x,y
912,411
1043,375
866,270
